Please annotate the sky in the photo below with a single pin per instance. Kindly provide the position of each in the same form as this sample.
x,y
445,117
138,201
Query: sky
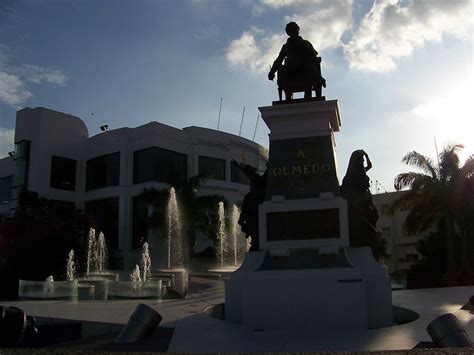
x,y
401,70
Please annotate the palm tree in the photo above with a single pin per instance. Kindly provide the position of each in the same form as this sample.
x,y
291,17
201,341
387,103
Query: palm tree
x,y
437,198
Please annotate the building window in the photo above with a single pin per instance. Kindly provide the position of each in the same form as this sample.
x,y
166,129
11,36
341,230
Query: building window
x,y
103,215
103,171
411,257
5,186
387,232
63,173
158,164
384,209
139,222
237,175
212,168
21,161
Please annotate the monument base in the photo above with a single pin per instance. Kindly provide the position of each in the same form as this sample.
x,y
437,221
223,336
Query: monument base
x,y
329,293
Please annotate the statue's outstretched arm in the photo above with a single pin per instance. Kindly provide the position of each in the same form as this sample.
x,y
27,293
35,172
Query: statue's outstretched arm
x,y
277,63
248,170
369,163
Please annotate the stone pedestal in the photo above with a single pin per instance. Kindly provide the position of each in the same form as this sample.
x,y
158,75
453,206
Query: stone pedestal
x,y
303,207
306,275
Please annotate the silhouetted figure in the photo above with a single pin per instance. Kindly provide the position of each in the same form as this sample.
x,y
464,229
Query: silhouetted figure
x,y
302,68
363,214
248,219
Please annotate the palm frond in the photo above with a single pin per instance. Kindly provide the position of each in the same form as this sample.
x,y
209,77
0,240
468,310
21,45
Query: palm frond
x,y
421,162
410,179
449,162
467,170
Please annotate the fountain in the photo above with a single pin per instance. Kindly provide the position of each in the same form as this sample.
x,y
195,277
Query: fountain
x,y
174,267
241,245
221,236
146,263
47,289
234,229
225,247
135,275
90,250
174,235
97,284
70,267
97,258
136,279
140,284
101,253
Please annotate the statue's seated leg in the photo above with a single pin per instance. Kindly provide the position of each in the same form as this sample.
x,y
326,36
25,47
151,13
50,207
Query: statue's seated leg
x,y
280,93
318,90
307,94
288,95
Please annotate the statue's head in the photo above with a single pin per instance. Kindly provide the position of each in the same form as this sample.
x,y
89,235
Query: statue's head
x,y
356,163
292,29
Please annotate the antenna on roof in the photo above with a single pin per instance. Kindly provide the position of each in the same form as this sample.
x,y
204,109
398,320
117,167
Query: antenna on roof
x,y
255,131
378,183
436,148
242,121
219,119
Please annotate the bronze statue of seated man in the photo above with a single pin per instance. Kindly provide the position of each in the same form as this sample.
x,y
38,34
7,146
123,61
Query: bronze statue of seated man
x,y
302,68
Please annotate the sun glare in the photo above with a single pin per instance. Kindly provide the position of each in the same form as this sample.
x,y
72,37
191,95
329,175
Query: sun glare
x,y
450,116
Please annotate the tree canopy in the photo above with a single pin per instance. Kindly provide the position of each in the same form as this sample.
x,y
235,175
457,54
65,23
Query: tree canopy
x,y
441,199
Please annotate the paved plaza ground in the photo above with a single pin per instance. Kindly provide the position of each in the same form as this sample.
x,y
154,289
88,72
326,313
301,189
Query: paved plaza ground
x,y
190,328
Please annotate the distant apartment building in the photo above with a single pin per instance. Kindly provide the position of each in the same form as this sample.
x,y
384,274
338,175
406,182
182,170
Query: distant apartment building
x,y
103,174
401,246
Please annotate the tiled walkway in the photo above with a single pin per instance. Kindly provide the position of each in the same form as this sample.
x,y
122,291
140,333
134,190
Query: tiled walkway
x,y
198,332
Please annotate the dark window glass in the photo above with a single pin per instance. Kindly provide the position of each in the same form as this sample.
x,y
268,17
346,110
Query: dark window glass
x,y
157,164
22,163
237,175
139,222
63,173
411,257
5,186
384,209
22,149
212,168
103,215
61,211
103,171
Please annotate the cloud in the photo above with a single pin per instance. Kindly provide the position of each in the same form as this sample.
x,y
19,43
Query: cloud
x,y
14,79
389,31
278,3
12,89
392,30
6,141
256,48
37,75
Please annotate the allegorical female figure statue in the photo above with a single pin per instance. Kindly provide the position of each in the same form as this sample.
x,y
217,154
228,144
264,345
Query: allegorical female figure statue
x,y
363,214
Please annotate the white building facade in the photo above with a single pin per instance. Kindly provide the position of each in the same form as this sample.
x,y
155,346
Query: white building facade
x,y
55,157
401,246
